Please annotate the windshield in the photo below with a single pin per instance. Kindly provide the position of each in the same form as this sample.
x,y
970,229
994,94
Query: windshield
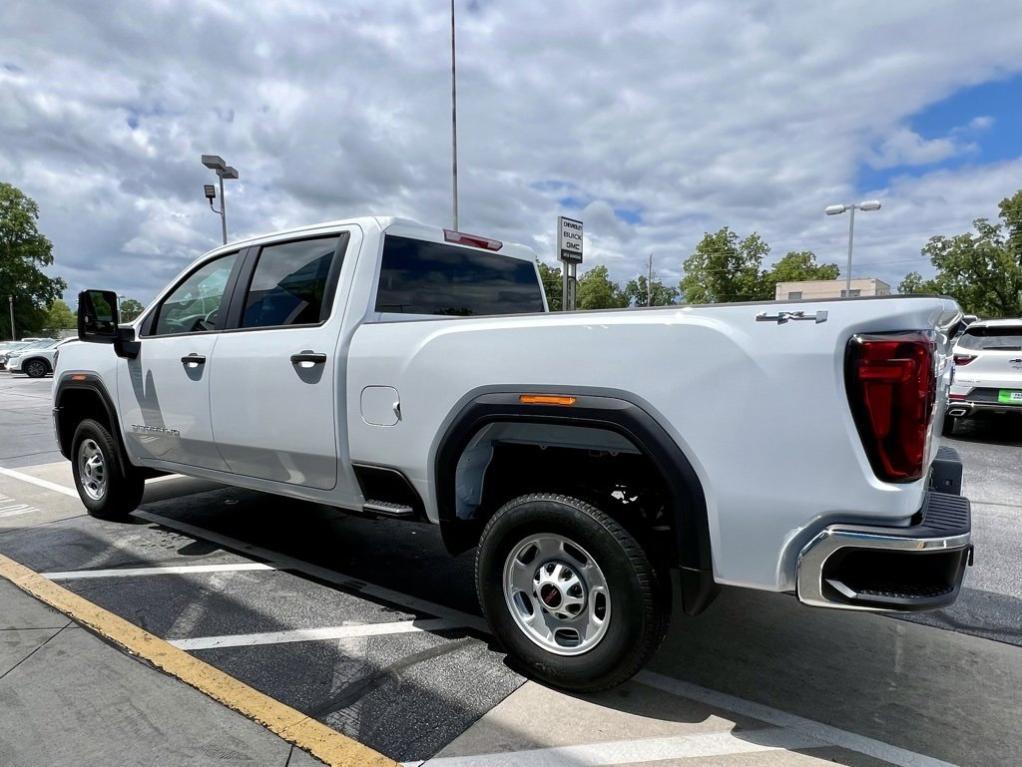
x,y
1006,338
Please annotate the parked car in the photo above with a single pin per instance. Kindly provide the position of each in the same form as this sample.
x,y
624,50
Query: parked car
x,y
6,347
411,372
35,360
988,371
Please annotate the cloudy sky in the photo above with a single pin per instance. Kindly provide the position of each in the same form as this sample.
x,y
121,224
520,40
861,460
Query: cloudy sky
x,y
654,122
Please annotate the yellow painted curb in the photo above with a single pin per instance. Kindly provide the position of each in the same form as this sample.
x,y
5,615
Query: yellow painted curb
x,y
293,726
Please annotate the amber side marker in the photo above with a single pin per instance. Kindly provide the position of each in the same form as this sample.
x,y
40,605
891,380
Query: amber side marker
x,y
290,724
546,399
78,377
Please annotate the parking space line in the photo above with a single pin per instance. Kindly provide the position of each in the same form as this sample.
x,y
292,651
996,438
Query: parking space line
x,y
39,482
285,562
705,744
808,727
313,634
16,510
134,572
290,724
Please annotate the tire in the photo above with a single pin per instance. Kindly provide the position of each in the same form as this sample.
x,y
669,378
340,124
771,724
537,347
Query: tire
x,y
108,485
35,368
635,604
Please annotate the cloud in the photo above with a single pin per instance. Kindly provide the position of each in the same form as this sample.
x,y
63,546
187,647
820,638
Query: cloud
x,y
658,121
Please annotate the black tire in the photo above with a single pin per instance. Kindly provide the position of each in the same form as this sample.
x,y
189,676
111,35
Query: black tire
x,y
639,591
35,368
122,490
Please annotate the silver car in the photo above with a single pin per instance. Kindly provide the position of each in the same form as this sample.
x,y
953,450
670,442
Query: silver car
x,y
988,371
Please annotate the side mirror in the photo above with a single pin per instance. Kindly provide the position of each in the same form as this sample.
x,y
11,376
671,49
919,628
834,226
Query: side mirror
x,y
97,316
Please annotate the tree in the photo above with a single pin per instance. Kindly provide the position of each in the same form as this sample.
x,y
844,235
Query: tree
x,y
597,291
59,317
798,265
636,292
725,268
981,270
130,309
23,251
551,278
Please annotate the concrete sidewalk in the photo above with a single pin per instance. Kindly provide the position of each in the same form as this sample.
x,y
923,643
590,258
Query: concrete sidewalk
x,y
68,698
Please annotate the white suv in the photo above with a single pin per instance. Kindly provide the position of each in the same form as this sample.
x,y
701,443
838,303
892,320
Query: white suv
x,y
35,360
988,371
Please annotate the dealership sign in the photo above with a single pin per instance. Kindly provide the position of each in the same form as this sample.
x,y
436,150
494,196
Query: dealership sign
x,y
569,240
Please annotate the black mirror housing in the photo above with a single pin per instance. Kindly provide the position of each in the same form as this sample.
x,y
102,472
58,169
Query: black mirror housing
x,y
98,319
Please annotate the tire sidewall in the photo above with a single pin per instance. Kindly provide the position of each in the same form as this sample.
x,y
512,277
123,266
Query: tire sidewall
x,y
124,485
629,615
33,367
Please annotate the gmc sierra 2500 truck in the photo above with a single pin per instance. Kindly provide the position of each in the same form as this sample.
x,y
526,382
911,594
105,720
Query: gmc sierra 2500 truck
x,y
592,458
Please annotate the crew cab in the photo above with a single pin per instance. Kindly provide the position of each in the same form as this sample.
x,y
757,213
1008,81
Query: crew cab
x,y
593,459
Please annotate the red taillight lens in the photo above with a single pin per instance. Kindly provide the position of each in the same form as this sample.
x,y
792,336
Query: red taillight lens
x,y
964,359
892,387
472,239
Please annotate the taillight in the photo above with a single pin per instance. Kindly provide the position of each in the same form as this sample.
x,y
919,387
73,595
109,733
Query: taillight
x,y
892,387
964,359
472,239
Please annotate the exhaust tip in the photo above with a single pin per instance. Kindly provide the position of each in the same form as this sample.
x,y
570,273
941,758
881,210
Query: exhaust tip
x,y
956,411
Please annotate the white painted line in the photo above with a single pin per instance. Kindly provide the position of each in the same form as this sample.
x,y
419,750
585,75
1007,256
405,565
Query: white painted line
x,y
39,482
312,635
285,562
705,744
807,727
133,572
16,510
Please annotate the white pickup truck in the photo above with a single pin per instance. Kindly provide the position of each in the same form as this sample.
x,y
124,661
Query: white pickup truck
x,y
399,370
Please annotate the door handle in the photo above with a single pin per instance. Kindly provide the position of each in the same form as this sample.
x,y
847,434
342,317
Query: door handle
x,y
193,359
316,358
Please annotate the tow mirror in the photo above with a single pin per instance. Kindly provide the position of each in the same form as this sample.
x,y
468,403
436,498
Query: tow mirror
x,y
97,316
97,323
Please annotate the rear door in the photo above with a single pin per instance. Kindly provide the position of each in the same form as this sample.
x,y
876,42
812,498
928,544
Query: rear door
x,y
163,394
275,372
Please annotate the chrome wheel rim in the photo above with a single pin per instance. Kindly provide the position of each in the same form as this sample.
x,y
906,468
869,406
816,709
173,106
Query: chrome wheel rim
x,y
92,469
557,594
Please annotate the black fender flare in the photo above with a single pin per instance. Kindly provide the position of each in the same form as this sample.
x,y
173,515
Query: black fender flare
x,y
613,411
77,380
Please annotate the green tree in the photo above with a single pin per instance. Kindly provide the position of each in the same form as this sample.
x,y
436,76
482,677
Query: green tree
x,y
597,291
726,268
637,293
58,317
800,265
982,270
130,309
551,277
23,253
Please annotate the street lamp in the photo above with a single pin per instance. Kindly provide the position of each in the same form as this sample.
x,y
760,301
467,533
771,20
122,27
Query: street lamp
x,y
836,210
223,170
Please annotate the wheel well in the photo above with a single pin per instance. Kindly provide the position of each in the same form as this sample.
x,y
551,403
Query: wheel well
x,y
43,360
77,404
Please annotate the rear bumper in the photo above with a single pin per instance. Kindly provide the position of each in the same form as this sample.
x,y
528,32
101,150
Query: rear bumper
x,y
901,569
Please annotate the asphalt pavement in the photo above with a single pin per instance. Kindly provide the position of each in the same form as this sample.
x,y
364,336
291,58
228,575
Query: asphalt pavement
x,y
371,629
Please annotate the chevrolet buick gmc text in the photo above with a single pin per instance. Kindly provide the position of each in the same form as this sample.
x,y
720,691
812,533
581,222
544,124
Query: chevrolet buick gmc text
x,y
591,458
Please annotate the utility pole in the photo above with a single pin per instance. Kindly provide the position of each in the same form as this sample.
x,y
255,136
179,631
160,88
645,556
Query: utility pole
x,y
649,283
454,125
10,305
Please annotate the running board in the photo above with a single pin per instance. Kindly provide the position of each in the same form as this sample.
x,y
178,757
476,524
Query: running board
x,y
388,509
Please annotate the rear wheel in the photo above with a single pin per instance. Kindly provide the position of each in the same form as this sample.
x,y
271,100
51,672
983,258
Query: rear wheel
x,y
569,592
108,485
35,368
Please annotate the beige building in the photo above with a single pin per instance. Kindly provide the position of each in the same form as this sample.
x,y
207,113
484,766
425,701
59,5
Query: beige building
x,y
817,289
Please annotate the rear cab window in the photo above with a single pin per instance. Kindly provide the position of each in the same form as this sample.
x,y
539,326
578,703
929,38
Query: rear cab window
x,y
1007,338
429,278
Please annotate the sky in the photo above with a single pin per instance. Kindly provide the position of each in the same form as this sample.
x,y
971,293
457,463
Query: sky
x,y
652,122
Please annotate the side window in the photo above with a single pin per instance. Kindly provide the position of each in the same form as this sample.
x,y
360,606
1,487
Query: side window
x,y
419,277
291,284
194,305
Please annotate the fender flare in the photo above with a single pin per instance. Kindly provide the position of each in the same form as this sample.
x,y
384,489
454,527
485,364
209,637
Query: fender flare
x,y
613,411
77,380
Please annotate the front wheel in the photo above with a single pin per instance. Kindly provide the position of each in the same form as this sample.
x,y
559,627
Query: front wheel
x,y
35,368
571,594
108,485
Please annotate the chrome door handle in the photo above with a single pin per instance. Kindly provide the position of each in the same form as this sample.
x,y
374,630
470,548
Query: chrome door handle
x,y
316,358
192,360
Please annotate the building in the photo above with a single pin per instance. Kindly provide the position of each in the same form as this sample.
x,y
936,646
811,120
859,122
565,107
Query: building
x,y
819,289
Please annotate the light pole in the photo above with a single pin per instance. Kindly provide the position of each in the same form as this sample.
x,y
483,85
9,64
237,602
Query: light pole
x,y
454,126
10,305
836,210
223,170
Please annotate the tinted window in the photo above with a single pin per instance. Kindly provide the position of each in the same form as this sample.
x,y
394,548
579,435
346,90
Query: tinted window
x,y
290,284
194,305
429,278
1006,338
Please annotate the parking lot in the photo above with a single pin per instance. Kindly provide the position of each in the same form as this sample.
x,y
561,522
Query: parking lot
x,y
371,629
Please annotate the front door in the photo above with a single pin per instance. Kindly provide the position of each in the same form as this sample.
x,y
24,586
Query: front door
x,y
274,377
164,393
